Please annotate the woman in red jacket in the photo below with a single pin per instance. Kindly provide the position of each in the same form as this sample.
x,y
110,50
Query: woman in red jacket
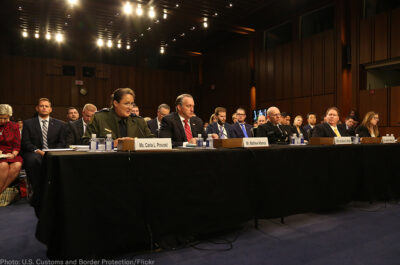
x,y
10,143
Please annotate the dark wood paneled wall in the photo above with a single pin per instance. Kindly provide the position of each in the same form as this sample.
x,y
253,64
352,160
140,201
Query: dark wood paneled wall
x,y
23,80
298,77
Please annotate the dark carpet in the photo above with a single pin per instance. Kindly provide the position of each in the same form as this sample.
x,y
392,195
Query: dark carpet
x,y
359,233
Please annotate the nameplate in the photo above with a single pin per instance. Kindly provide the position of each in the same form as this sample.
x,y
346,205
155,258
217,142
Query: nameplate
x,y
343,140
255,142
151,144
388,140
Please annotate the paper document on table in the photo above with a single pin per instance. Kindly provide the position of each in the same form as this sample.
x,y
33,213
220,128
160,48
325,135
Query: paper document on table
x,y
79,147
57,150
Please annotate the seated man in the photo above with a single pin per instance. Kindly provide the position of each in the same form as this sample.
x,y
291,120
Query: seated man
x,y
311,121
40,133
78,128
241,128
72,114
220,129
330,128
273,129
155,124
182,126
349,125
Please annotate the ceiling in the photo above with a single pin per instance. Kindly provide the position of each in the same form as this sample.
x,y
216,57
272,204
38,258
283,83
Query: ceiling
x,y
89,20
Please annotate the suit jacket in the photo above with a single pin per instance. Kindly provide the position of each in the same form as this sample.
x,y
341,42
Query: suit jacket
x,y
172,127
275,136
350,131
325,130
362,131
153,126
309,130
75,132
302,130
237,130
32,135
213,128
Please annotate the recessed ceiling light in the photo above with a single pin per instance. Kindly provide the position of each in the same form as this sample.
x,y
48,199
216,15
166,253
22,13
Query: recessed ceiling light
x,y
128,47
127,9
152,13
24,34
59,37
139,10
109,44
37,35
100,42
177,5
192,28
230,5
183,34
72,2
119,45
48,36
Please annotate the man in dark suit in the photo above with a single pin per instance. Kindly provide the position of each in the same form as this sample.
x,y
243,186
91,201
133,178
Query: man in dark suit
x,y
349,125
330,128
220,129
241,129
311,121
273,129
77,128
40,133
155,124
182,126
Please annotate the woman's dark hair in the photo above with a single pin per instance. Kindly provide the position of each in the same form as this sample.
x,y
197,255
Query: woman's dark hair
x,y
119,93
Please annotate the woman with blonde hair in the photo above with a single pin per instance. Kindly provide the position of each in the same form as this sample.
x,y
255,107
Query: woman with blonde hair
x,y
10,144
213,119
298,128
369,126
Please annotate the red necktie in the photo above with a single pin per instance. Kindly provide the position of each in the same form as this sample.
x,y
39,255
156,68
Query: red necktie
x,y
188,132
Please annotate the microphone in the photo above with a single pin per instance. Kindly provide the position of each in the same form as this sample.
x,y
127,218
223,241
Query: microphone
x,y
134,115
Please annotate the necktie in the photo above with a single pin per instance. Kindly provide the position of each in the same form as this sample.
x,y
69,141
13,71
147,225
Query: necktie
x,y
188,132
244,130
221,133
84,128
336,132
122,128
279,128
44,134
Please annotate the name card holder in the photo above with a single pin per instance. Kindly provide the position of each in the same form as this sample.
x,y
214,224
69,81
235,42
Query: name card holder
x,y
145,144
371,140
228,143
321,141
388,140
255,142
343,140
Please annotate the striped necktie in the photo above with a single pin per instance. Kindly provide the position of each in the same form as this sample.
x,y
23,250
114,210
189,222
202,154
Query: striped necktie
x,y
44,134
188,132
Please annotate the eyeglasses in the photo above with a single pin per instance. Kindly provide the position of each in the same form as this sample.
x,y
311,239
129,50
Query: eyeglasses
x,y
128,104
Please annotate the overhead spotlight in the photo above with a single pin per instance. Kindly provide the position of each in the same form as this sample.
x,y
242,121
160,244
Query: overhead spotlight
x,y
162,50
109,44
128,47
141,35
127,8
135,40
37,35
173,39
152,13
177,5
183,34
119,45
165,15
215,14
20,8
72,2
139,10
230,5
100,42
205,23
157,21
149,28
25,34
192,28
48,36
59,37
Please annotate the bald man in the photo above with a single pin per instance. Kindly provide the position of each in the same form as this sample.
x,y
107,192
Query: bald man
x,y
273,129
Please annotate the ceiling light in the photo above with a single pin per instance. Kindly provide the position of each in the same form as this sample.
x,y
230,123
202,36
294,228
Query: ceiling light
x,y
152,13
109,44
215,14
24,34
192,28
135,40
165,15
205,23
230,5
100,42
141,35
127,8
139,10
48,36
20,8
162,50
173,39
149,28
177,5
37,35
128,47
59,37
119,45
72,2
183,34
